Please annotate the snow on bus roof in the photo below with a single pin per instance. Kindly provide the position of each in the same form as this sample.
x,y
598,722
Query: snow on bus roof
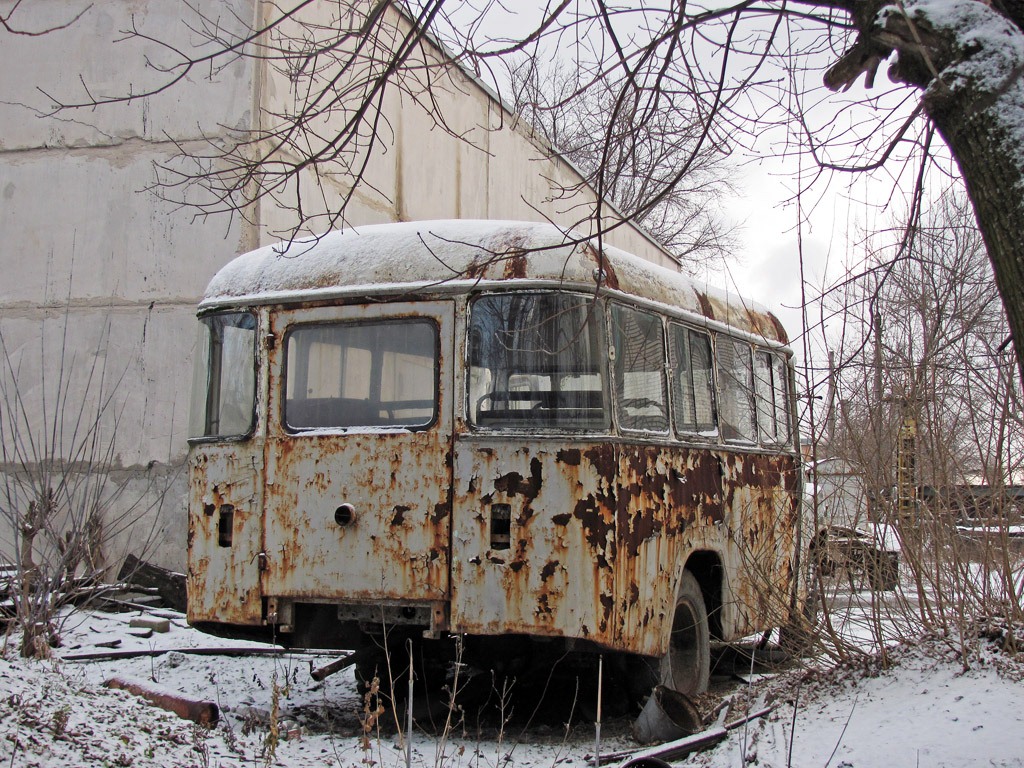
x,y
449,256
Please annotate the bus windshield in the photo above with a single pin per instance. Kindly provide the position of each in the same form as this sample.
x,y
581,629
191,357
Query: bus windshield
x,y
224,384
535,362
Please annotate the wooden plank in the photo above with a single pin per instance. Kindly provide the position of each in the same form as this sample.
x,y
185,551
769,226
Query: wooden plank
x,y
170,585
672,750
681,747
226,651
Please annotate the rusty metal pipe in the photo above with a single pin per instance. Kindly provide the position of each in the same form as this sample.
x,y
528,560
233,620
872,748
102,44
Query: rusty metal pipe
x,y
204,712
343,663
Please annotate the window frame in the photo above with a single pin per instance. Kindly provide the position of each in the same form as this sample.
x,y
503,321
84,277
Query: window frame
x,y
725,376
613,371
713,432
782,427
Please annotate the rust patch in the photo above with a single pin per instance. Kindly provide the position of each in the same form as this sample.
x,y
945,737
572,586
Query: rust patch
x,y
514,484
636,516
515,266
441,511
705,478
754,470
705,305
398,518
610,277
602,459
548,570
790,475
476,269
571,457
608,606
766,325
780,329
596,526
634,595
543,608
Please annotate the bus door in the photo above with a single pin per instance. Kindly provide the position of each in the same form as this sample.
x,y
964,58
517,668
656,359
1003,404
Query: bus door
x,y
359,453
225,473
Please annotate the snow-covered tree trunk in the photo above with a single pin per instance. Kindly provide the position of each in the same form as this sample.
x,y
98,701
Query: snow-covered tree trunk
x,y
968,57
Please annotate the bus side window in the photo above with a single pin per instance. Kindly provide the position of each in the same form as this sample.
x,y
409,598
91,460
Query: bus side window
x,y
780,384
693,381
770,385
638,339
735,373
535,362
224,380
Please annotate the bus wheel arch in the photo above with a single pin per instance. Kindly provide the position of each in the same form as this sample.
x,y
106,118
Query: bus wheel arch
x,y
706,567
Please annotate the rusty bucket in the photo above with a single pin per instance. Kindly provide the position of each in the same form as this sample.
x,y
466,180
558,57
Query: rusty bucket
x,y
666,716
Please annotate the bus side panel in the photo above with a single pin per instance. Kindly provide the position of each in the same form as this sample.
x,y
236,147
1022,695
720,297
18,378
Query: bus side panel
x,y
761,501
599,535
224,533
554,579
669,500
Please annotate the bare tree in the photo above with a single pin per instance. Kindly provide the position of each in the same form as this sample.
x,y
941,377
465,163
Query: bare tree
x,y
922,334
10,21
957,68
65,515
651,155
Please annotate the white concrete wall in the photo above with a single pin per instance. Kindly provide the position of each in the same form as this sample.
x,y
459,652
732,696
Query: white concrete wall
x,y
98,274
96,266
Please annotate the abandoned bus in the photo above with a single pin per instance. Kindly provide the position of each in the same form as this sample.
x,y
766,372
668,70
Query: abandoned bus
x,y
488,430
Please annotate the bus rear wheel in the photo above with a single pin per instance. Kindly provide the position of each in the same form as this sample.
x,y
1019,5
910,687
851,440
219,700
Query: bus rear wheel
x,y
686,667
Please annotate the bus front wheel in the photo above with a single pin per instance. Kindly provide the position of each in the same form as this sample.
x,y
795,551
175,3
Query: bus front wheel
x,y
686,666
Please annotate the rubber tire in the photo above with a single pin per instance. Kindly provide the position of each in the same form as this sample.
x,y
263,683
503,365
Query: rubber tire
x,y
686,667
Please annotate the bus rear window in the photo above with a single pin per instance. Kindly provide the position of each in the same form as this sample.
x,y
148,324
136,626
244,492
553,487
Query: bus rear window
x,y
224,384
353,375
535,362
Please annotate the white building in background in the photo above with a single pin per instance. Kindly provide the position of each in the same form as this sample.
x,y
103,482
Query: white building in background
x,y
99,277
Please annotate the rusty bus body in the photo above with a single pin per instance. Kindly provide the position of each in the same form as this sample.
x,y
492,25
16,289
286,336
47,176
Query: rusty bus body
x,y
486,429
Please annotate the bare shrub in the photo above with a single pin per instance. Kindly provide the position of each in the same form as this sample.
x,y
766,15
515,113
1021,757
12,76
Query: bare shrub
x,y
923,414
59,501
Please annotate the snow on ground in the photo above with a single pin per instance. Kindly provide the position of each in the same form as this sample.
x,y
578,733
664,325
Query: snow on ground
x,y
923,709
56,713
